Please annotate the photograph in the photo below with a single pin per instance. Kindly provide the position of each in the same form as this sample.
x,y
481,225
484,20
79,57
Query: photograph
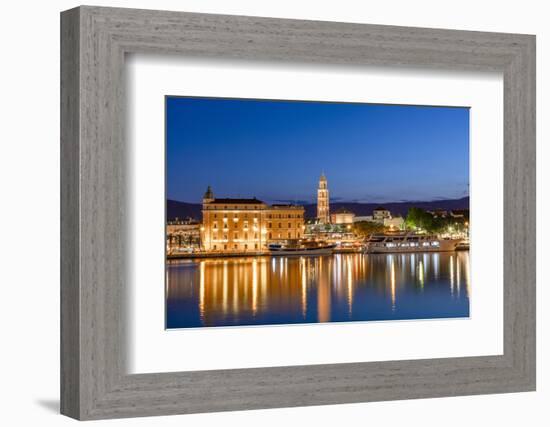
x,y
290,211
273,209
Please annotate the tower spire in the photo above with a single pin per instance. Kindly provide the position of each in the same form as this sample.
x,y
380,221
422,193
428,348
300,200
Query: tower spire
x,y
323,208
208,195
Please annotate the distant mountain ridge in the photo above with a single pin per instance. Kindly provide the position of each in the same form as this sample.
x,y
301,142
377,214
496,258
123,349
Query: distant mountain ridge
x,y
176,209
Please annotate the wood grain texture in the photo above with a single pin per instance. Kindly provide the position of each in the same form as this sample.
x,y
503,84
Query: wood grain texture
x,y
95,273
70,334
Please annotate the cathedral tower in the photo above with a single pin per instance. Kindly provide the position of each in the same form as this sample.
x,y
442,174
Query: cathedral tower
x,y
323,214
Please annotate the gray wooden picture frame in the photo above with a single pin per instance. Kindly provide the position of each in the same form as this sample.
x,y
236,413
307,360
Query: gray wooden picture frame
x,y
94,381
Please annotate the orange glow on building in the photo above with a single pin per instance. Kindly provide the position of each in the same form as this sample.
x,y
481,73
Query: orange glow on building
x,y
247,225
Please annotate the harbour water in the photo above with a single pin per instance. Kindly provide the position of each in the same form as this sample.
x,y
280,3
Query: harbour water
x,y
332,288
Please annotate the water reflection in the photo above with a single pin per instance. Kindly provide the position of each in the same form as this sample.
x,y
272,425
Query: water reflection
x,y
337,288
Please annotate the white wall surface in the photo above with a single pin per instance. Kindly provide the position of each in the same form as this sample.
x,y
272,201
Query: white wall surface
x,y
29,191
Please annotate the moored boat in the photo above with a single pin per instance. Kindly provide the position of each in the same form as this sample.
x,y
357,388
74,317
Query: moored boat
x,y
463,245
409,242
301,247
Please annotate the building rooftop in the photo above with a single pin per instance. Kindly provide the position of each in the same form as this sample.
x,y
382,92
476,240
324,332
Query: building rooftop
x,y
180,221
380,208
286,206
252,201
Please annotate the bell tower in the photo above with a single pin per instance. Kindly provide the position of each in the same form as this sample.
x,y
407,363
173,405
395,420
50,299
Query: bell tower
x,y
208,196
322,201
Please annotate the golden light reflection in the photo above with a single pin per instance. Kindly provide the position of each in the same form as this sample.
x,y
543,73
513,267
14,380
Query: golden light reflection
x,y
349,273
225,288
254,286
451,274
457,276
392,281
322,289
263,281
201,290
468,272
235,295
337,272
421,274
304,285
323,292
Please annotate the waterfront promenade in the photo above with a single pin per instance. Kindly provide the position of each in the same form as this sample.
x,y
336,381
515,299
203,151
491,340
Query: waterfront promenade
x,y
204,254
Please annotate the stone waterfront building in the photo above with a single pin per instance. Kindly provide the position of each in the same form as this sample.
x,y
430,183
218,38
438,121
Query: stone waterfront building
x,y
342,216
380,213
182,233
247,225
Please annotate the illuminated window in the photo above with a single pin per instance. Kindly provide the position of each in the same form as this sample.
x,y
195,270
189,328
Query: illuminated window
x,y
269,225
289,235
280,225
289,225
270,236
236,236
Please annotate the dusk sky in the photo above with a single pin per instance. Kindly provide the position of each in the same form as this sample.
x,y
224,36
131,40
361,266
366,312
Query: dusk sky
x,y
276,150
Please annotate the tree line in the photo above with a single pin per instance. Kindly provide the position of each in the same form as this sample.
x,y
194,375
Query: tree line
x,y
417,219
420,219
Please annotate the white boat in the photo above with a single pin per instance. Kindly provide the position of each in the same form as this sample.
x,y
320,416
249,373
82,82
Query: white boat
x,y
408,242
464,245
293,247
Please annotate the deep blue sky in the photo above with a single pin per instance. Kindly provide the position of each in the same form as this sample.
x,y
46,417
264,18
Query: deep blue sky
x,y
276,150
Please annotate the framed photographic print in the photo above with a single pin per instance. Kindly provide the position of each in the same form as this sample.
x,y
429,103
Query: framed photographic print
x,y
262,213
